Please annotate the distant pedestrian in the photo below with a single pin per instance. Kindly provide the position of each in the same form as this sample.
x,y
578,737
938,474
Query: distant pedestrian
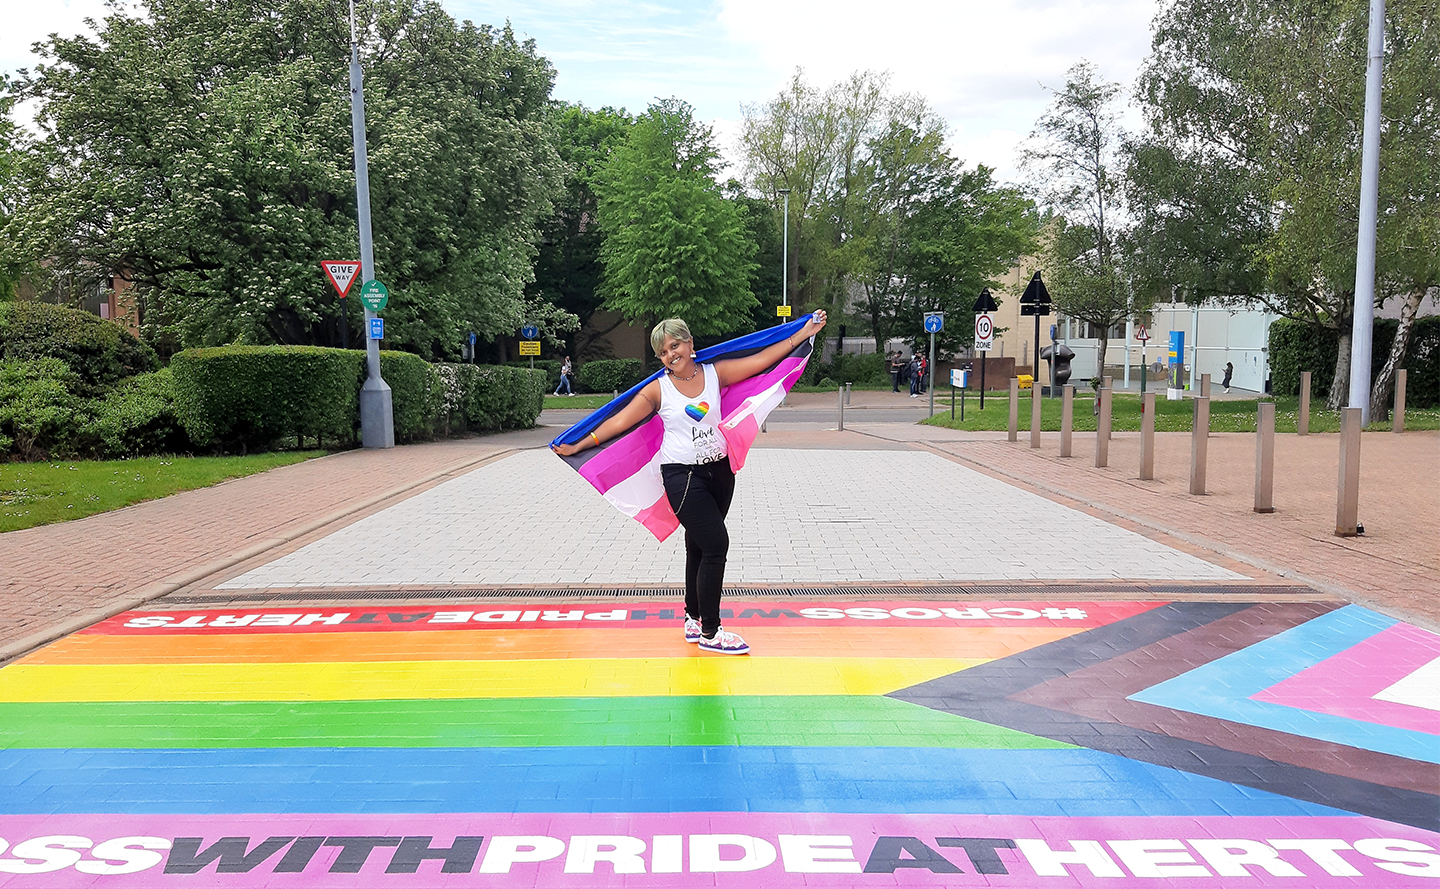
x,y
897,369
565,378
1229,372
914,369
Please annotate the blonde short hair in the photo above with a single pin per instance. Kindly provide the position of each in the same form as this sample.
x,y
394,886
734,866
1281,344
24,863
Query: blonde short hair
x,y
669,327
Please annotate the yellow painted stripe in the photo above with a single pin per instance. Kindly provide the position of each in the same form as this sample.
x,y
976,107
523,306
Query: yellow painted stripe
x,y
577,677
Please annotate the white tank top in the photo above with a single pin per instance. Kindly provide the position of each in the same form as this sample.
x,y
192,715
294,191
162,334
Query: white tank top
x,y
692,433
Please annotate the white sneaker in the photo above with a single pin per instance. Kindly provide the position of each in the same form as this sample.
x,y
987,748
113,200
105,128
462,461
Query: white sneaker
x,y
724,642
692,630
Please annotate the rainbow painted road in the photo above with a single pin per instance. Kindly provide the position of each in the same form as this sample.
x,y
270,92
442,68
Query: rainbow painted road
x,y
912,742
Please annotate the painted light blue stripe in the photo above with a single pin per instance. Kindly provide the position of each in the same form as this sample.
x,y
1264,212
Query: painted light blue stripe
x,y
1222,688
876,780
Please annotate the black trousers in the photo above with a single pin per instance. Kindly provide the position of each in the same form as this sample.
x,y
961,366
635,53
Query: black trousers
x,y
700,496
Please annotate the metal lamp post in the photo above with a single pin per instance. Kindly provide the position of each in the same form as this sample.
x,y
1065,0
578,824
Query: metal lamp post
x,y
377,424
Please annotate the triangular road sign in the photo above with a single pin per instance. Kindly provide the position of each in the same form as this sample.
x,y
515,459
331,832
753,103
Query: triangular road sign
x,y
1036,300
986,302
341,274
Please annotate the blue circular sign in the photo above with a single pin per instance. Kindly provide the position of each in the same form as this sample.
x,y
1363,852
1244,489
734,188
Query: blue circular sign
x,y
529,332
934,323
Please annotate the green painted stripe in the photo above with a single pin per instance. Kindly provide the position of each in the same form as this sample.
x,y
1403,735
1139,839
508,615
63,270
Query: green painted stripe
x,y
785,721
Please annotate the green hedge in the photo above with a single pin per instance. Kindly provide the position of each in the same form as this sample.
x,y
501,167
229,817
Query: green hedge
x,y
137,417
100,352
611,374
1296,347
415,394
868,369
253,396
40,416
489,397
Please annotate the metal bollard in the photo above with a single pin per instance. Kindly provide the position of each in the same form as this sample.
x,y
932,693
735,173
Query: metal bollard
x,y
1303,422
1199,439
1067,420
1035,402
1265,458
1147,437
1102,429
847,393
1397,422
842,408
1347,499
1014,409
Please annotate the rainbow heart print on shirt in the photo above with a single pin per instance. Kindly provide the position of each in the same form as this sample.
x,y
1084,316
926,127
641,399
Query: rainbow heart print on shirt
x,y
697,412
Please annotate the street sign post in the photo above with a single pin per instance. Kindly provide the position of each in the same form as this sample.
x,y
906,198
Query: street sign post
x,y
782,311
934,323
377,328
984,304
530,332
1036,301
342,274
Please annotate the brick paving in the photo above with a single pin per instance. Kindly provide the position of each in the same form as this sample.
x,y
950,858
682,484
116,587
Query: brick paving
x,y
63,576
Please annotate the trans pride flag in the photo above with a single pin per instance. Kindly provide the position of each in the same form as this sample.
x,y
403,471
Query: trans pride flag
x,y
626,469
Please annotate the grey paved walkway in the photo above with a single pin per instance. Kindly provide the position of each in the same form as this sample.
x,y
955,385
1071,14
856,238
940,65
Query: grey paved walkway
x,y
826,516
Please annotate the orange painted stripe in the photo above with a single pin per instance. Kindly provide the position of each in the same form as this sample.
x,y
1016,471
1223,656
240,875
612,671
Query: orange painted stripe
x,y
528,644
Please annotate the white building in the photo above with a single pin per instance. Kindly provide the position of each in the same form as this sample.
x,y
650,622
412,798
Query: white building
x,y
1214,335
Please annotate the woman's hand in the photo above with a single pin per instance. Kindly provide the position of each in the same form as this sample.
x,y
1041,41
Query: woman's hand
x,y
817,321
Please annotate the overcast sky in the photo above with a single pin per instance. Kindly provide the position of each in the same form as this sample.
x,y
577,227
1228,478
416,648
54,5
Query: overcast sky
x,y
981,64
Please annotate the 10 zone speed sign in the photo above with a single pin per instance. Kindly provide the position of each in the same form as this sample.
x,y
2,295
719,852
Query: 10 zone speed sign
x,y
984,332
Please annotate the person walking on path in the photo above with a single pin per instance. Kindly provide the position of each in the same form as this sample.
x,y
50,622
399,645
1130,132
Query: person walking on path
x,y
694,460
1229,372
565,377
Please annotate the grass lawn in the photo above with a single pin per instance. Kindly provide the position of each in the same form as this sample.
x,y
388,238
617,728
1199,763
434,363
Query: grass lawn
x,y
41,493
1170,416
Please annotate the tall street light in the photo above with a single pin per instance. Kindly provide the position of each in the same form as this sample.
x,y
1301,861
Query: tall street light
x,y
785,261
377,424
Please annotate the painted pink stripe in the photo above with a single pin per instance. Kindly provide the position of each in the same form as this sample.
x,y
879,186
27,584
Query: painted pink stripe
x,y
738,440
1128,846
1346,684
658,518
735,395
624,456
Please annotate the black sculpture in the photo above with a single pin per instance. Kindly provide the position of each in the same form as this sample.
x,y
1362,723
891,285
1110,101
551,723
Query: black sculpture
x,y
1059,356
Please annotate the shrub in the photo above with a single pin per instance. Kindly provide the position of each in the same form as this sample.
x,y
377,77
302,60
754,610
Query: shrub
x,y
100,352
137,417
490,397
551,366
40,416
415,393
1296,346
869,369
611,374
251,396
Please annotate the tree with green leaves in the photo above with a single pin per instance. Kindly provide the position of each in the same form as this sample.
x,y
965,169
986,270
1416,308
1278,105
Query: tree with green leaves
x,y
1071,158
11,150
1249,173
202,149
674,247
567,268
929,234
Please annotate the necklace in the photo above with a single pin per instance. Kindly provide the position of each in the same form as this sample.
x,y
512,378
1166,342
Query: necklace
x,y
689,378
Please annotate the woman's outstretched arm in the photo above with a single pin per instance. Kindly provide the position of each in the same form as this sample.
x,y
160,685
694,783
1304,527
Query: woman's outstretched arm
x,y
640,407
734,370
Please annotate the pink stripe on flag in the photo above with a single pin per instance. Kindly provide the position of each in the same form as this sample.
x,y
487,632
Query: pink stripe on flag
x,y
738,439
658,518
737,393
624,456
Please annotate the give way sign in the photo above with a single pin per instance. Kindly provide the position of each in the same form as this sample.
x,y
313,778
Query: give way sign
x,y
341,274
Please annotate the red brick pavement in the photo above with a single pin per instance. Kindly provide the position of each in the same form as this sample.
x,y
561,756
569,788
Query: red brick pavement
x,y
1394,567
57,578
